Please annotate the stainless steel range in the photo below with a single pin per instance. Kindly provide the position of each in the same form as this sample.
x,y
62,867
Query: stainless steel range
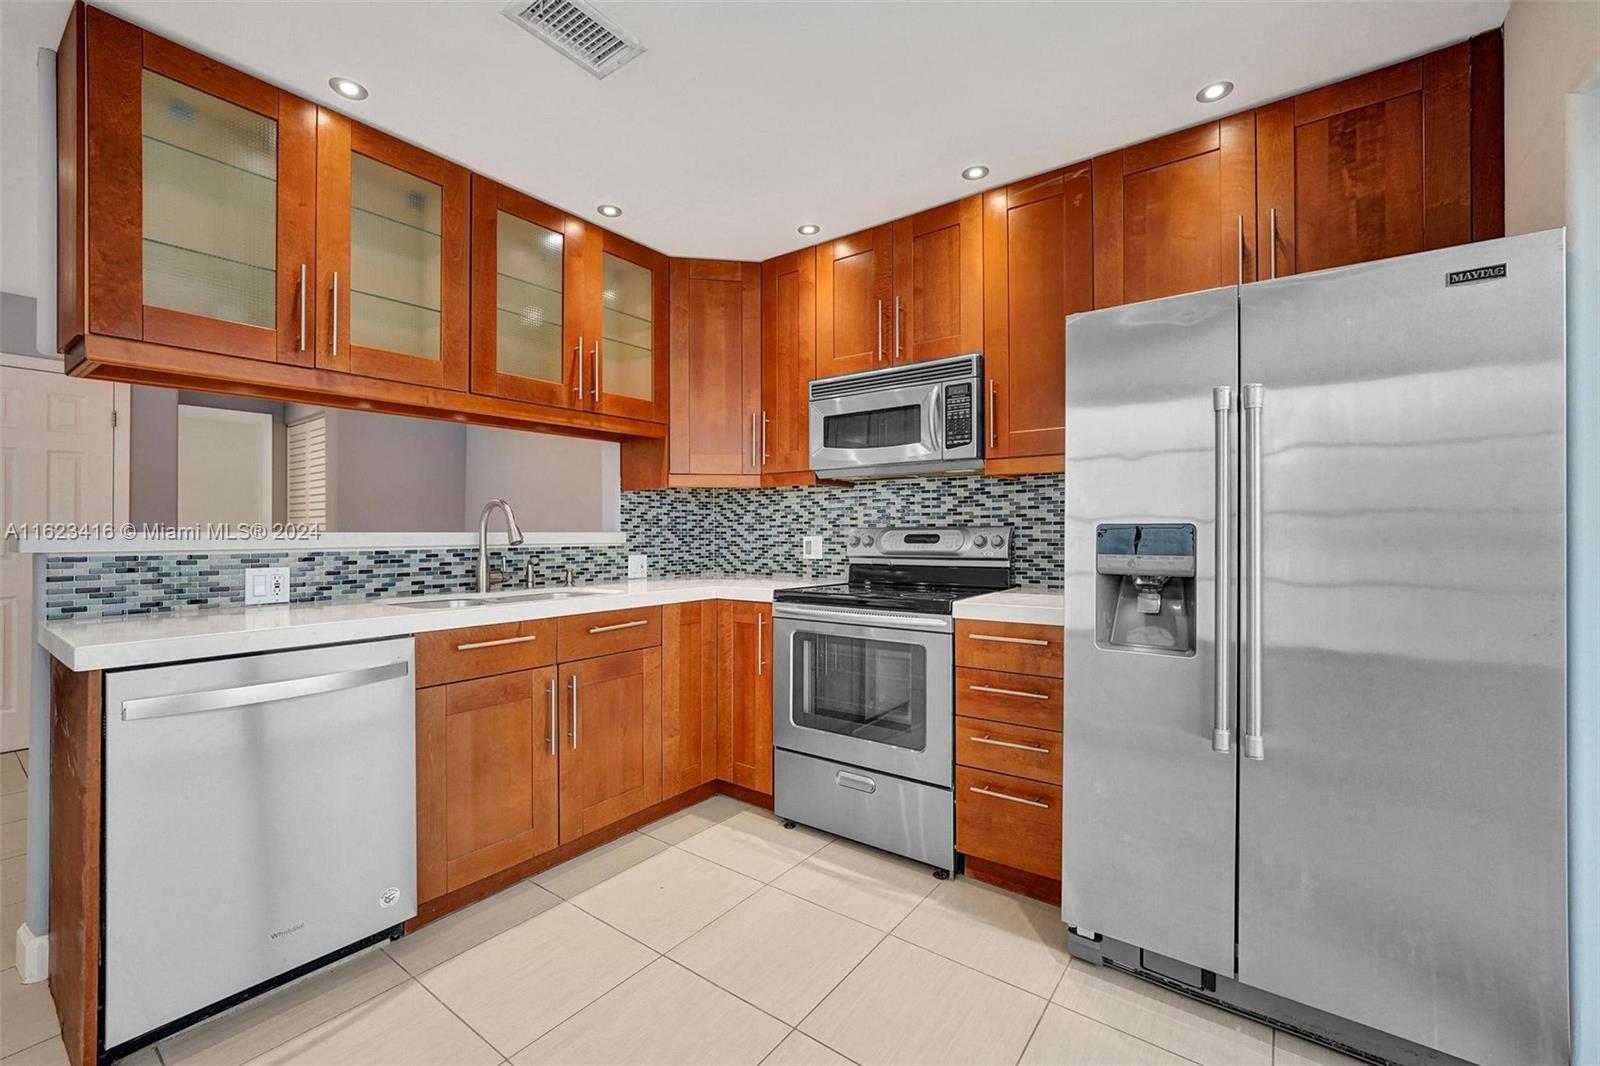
x,y
864,687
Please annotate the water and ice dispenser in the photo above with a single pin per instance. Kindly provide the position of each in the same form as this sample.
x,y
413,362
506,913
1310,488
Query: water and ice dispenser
x,y
1144,589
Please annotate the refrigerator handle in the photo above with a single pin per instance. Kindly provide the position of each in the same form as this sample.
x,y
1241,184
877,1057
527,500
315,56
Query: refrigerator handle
x,y
1221,731
1251,404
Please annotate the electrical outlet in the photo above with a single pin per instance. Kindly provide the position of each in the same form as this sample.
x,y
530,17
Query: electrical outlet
x,y
811,547
266,584
638,565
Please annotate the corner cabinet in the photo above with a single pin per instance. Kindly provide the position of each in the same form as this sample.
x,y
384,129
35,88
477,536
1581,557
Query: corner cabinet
x,y
716,371
744,696
788,362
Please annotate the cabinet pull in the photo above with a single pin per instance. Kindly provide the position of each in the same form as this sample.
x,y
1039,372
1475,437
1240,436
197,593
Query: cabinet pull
x,y
620,625
1036,642
980,790
555,719
764,456
753,452
475,645
572,685
594,379
577,357
897,329
302,299
761,643
879,359
1272,237
335,314
1009,692
986,739
1241,249
993,429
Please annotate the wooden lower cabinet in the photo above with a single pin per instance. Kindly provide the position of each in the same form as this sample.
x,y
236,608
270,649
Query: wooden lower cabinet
x,y
1009,820
744,694
611,748
688,696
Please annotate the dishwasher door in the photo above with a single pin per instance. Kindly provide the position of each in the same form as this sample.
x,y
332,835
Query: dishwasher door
x,y
260,814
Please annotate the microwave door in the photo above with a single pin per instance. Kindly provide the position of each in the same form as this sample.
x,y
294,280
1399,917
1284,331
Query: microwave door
x,y
876,428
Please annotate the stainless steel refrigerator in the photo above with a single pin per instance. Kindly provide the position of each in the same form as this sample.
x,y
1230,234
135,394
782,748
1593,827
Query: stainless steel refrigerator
x,y
1315,650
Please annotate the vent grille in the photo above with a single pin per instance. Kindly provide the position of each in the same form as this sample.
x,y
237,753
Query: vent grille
x,y
955,368
577,31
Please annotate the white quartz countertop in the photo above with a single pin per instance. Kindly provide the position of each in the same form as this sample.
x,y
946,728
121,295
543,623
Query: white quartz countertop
x,y
143,640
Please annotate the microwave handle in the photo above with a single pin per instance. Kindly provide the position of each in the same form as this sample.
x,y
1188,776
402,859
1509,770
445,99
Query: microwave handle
x,y
936,419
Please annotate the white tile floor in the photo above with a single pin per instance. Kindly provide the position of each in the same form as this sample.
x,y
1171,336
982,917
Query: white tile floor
x,y
712,936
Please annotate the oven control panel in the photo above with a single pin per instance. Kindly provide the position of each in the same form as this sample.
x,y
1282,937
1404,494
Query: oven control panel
x,y
958,415
912,543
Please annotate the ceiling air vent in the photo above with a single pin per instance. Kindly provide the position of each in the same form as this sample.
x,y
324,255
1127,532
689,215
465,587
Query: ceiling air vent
x,y
577,31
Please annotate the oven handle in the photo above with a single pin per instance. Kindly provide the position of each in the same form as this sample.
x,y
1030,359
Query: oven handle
x,y
863,618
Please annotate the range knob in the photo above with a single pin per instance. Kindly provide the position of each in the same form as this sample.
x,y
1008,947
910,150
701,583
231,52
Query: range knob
x,y
866,541
980,540
999,541
855,541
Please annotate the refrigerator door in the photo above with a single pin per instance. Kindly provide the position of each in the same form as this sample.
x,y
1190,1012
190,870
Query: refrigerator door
x,y
1148,805
1402,840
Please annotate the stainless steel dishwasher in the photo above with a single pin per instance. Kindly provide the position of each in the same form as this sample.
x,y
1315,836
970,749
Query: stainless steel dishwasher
x,y
260,819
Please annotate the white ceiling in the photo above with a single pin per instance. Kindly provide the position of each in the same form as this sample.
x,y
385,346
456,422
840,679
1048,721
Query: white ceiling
x,y
745,119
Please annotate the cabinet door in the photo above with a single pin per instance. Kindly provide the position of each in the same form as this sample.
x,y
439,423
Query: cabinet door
x,y
525,340
1038,244
788,360
1176,214
392,236
716,367
855,294
611,752
938,282
688,696
1370,167
744,697
628,331
486,777
201,210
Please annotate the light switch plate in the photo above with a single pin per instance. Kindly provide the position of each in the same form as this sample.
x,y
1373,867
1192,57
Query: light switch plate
x,y
266,584
638,565
811,546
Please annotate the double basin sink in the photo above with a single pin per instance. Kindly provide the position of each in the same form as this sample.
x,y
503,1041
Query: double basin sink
x,y
488,599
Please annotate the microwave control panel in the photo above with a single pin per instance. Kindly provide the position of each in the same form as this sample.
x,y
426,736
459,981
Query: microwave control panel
x,y
958,415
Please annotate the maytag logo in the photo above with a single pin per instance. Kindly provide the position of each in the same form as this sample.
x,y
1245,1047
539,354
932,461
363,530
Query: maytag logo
x,y
1467,277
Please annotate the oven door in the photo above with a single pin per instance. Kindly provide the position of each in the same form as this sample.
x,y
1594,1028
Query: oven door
x,y
872,696
877,428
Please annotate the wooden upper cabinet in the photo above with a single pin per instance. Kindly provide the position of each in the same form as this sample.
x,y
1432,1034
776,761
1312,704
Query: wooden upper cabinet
x,y
527,274
393,230
855,301
1040,268
610,750
1373,166
788,359
716,367
744,694
626,327
1176,214
187,198
938,282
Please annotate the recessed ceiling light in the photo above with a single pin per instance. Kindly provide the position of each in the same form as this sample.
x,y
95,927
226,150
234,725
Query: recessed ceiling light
x,y
348,88
809,228
1214,92
975,173
609,210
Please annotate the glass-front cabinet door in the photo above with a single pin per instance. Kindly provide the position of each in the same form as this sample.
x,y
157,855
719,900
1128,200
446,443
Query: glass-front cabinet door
x,y
392,239
628,358
201,214
525,344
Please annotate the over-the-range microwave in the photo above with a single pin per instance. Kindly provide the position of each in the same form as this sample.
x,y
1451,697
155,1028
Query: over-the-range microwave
x,y
900,421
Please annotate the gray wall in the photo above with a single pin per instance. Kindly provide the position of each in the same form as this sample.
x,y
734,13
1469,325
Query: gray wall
x,y
394,475
153,450
553,483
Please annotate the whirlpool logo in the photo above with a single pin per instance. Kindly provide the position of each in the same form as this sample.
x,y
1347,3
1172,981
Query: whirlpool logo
x,y
287,932
1467,277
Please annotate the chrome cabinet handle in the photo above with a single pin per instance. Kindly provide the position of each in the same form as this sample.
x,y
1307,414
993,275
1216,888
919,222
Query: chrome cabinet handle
x,y
761,643
475,645
572,685
594,379
302,300
1251,602
859,782
1009,640
235,696
1009,692
993,429
764,456
986,739
1241,249
980,790
335,314
577,357
555,719
1222,694
753,452
879,359
1272,237
897,329
620,625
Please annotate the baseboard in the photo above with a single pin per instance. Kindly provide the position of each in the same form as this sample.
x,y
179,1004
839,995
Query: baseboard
x,y
1038,886
33,955
745,795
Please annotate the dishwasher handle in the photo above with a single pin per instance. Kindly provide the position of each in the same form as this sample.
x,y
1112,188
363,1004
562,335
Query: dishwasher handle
x,y
221,699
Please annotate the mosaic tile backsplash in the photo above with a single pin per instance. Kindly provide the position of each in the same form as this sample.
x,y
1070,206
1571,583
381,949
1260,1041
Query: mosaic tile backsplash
x,y
683,531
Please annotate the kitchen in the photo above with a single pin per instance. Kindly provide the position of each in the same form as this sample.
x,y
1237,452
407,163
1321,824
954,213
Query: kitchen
x,y
727,617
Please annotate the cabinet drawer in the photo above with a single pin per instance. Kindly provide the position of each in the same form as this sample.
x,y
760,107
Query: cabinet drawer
x,y
479,651
1009,820
1015,647
584,636
1016,698
1009,749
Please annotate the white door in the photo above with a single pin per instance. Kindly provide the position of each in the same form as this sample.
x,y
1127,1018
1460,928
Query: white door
x,y
56,453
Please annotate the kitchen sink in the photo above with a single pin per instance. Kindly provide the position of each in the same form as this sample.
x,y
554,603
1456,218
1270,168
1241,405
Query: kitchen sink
x,y
438,605
551,594
489,600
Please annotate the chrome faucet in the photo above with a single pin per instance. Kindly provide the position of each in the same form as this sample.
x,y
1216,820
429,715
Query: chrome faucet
x,y
513,536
